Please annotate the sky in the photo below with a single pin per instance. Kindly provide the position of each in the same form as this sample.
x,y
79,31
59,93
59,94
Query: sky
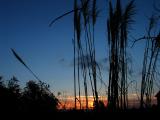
x,y
48,51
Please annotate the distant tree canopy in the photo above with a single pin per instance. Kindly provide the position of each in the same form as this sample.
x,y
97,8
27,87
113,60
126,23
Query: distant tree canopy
x,y
35,97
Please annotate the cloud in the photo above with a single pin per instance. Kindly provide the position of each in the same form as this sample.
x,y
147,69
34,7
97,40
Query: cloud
x,y
85,60
62,60
104,64
104,60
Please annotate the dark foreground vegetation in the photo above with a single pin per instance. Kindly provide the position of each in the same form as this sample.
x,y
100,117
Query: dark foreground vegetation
x,y
36,98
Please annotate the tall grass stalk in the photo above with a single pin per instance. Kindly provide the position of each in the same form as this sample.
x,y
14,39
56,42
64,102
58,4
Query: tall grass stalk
x,y
151,55
118,27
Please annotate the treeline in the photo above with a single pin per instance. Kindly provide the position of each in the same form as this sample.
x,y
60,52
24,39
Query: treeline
x,y
34,97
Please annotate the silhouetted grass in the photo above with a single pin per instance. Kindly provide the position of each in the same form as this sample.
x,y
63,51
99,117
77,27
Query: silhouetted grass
x,y
118,27
36,96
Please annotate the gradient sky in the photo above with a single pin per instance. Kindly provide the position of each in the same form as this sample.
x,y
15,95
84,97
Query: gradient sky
x,y
49,51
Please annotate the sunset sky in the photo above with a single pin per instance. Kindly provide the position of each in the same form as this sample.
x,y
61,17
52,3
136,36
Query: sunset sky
x,y
48,50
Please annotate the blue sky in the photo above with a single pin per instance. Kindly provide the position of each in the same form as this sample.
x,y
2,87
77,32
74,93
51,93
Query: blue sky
x,y
49,51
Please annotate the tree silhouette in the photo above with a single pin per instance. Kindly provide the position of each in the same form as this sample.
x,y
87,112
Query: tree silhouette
x,y
10,95
37,97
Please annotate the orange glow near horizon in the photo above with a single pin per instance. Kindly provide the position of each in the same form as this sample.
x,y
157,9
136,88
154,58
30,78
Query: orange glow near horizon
x,y
68,102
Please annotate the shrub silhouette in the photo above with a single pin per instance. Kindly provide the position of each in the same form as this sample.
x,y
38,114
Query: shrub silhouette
x,y
10,95
36,97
